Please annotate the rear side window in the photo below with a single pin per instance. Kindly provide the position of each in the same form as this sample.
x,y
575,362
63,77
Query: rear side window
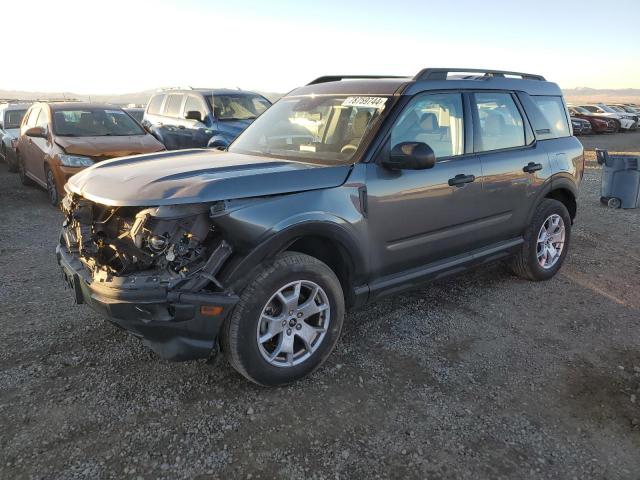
x,y
155,104
172,106
553,110
500,123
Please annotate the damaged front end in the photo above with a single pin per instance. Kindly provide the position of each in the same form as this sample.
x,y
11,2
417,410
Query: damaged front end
x,y
150,270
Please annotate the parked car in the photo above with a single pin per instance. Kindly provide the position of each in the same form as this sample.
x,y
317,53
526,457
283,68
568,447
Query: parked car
x,y
203,117
344,191
627,122
599,124
580,126
11,115
57,140
136,112
625,109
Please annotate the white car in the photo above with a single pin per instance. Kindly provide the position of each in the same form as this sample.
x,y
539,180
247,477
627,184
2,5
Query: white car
x,y
627,121
10,118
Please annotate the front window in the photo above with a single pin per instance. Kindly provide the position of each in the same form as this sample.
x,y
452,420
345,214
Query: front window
x,y
239,106
326,128
13,118
94,122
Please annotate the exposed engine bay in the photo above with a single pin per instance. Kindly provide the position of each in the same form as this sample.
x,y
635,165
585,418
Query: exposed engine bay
x,y
178,244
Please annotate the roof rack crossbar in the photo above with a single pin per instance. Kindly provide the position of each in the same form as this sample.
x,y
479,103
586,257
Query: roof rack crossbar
x,y
442,73
337,78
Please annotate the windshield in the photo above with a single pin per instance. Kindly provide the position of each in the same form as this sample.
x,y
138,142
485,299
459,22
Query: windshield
x,y
607,109
580,110
13,118
323,128
240,106
94,122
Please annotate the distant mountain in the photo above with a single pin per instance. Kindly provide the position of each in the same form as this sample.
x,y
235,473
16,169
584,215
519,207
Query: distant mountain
x,y
581,94
122,99
584,94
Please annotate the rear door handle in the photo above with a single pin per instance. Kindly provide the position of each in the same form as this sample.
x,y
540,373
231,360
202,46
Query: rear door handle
x,y
532,167
460,179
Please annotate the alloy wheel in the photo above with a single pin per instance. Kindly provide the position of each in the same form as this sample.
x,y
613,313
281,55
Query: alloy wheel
x,y
293,323
550,241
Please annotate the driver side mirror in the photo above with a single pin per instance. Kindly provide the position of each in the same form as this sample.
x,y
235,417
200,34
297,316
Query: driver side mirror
x,y
410,156
39,132
193,115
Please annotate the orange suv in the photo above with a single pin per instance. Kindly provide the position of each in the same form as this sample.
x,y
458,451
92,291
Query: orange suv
x,y
57,140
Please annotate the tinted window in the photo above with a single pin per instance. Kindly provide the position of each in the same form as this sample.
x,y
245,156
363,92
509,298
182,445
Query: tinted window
x,y
436,120
553,110
501,124
93,122
172,107
154,104
13,118
193,104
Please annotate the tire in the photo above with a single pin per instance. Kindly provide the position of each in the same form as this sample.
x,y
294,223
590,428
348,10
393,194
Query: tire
x,y
614,202
242,332
527,262
52,189
12,163
26,181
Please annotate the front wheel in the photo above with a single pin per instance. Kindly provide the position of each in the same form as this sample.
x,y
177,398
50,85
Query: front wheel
x,y
52,189
546,242
287,321
22,171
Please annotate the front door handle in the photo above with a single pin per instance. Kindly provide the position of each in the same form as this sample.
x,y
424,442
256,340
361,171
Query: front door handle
x,y
460,179
532,167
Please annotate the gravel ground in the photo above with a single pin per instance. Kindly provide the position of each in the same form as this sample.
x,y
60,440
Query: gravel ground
x,y
483,375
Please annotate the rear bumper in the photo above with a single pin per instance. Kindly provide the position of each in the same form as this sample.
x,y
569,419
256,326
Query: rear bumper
x,y
168,322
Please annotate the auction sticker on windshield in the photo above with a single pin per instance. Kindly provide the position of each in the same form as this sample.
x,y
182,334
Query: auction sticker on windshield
x,y
365,102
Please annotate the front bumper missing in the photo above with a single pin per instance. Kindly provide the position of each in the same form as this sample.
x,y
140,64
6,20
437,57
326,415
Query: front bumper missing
x,y
168,322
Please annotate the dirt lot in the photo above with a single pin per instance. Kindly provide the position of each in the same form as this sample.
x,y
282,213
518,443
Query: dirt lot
x,y
480,376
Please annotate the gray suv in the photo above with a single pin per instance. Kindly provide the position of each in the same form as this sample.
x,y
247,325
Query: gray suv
x,y
345,190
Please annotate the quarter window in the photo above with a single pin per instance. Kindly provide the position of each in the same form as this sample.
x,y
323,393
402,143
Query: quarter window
x,y
501,125
172,107
155,104
434,119
553,110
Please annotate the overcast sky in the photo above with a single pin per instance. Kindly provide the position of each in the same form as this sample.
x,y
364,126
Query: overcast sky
x,y
119,46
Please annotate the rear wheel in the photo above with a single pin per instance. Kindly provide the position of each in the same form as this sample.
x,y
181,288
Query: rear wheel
x,y
546,242
22,171
287,321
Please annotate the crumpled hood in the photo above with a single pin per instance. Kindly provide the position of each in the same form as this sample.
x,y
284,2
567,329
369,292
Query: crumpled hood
x,y
100,148
197,176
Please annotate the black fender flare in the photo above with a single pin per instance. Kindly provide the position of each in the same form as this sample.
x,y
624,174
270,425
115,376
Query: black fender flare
x,y
559,181
238,274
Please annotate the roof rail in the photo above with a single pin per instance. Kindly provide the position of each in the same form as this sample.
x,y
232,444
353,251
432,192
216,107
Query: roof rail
x,y
337,78
441,73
